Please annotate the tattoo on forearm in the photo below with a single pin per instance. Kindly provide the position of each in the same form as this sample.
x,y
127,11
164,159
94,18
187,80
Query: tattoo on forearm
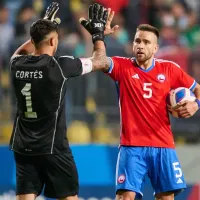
x,y
100,61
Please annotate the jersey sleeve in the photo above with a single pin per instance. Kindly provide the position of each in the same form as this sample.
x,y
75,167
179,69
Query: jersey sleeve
x,y
180,78
70,66
14,59
115,68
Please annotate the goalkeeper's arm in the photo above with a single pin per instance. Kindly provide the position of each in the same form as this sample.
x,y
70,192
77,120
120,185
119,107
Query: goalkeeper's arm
x,y
24,49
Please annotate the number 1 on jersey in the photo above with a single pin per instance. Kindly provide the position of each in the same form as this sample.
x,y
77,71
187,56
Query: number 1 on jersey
x,y
148,90
26,91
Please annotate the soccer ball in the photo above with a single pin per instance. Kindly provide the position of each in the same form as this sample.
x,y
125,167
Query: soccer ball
x,y
177,96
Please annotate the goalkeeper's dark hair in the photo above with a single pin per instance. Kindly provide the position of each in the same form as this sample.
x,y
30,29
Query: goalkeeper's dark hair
x,y
149,28
41,28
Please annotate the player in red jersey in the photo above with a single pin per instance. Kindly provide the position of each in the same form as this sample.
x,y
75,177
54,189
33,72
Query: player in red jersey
x,y
146,140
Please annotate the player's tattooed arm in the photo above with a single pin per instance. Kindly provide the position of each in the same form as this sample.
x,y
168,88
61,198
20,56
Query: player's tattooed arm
x,y
99,60
24,49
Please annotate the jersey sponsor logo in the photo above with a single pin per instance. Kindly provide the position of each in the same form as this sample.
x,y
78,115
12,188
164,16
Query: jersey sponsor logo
x,y
27,149
179,181
136,76
121,178
161,78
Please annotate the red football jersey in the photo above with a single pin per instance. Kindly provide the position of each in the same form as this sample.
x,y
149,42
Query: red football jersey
x,y
142,100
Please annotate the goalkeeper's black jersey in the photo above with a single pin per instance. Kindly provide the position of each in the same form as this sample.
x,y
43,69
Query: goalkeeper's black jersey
x,y
39,84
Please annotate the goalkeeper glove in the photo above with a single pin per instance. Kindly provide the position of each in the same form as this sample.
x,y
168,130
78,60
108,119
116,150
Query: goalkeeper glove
x,y
51,12
95,25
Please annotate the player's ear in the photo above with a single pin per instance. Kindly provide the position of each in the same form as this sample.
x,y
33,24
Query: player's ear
x,y
51,41
156,48
54,41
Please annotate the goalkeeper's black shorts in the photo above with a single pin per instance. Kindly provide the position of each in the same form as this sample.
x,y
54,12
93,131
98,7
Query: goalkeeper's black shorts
x,y
56,174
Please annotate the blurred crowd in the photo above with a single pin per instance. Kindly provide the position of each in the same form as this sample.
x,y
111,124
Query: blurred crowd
x,y
92,105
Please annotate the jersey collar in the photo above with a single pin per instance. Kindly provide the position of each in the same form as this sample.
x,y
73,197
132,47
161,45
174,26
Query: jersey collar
x,y
145,70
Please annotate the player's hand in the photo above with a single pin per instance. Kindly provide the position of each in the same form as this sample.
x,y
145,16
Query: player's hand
x,y
108,30
51,13
169,108
187,109
95,25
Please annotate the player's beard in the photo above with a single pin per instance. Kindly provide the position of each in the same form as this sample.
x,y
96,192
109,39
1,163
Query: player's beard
x,y
142,58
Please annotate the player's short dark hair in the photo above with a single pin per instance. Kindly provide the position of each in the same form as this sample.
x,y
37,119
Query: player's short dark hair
x,y
41,28
149,28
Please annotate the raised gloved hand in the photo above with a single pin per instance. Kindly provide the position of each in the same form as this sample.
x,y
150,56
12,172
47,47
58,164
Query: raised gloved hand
x,y
95,25
51,12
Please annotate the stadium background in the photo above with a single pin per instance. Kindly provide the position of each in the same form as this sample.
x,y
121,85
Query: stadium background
x,y
92,107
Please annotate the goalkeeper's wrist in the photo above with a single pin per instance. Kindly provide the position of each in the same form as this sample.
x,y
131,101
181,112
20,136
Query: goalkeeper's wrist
x,y
97,37
198,102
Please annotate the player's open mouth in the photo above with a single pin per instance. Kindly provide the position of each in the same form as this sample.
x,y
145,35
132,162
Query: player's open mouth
x,y
140,53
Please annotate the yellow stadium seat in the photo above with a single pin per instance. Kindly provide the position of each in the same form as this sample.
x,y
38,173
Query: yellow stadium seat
x,y
6,131
79,133
103,135
5,82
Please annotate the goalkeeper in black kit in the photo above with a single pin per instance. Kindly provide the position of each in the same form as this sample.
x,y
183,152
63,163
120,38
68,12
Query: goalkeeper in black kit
x,y
42,154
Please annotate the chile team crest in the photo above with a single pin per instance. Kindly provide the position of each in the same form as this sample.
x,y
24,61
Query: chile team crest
x,y
121,178
161,78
